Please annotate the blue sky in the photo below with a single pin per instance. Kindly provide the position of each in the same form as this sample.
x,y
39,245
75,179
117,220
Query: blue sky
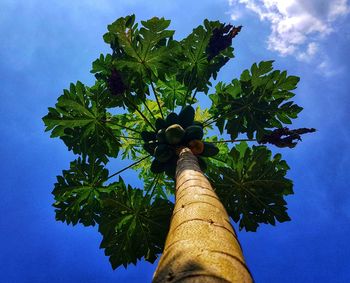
x,y
45,45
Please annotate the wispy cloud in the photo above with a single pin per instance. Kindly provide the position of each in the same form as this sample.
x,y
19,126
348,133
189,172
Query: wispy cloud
x,y
298,27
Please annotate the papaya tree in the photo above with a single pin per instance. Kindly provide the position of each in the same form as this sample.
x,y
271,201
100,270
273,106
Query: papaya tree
x,y
146,106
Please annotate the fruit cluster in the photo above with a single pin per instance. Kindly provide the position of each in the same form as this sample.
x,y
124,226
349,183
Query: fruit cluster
x,y
173,133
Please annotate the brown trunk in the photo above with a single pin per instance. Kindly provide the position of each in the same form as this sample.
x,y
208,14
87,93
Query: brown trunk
x,y
201,245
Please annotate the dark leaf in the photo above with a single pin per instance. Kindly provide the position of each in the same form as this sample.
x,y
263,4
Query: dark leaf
x,y
79,120
284,137
133,225
252,184
221,39
78,192
196,61
254,104
115,83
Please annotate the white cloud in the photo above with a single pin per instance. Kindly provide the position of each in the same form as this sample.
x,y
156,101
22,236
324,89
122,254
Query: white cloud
x,y
297,26
326,68
308,54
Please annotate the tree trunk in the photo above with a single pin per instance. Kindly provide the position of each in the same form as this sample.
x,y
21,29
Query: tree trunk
x,y
201,245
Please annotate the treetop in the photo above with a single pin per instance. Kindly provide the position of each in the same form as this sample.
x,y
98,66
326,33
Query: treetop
x,y
144,105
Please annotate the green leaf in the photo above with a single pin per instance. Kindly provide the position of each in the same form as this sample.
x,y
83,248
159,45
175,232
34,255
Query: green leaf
x,y
100,121
263,68
195,62
255,103
252,184
133,225
141,52
78,192
79,120
172,92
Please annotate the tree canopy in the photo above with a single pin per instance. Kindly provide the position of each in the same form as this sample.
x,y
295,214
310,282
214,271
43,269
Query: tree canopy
x,y
147,76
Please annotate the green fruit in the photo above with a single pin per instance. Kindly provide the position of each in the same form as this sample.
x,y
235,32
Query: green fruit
x,y
193,133
161,136
157,167
202,164
160,123
171,119
174,134
186,116
150,147
163,152
197,123
148,136
209,150
170,168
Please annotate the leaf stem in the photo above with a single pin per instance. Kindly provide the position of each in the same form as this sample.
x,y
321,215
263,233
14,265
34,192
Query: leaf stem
x,y
188,89
138,111
149,110
156,96
228,111
121,126
127,167
217,159
154,186
130,138
239,140
193,97
173,101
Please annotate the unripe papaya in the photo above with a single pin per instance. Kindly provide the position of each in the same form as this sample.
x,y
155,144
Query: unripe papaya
x,y
209,150
197,123
160,124
164,152
172,119
174,134
193,133
186,116
161,136
157,166
150,147
148,136
196,146
202,164
170,168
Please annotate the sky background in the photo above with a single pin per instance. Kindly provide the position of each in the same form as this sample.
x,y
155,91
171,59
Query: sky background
x,y
45,45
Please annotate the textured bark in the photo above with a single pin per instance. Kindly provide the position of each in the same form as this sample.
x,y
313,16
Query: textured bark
x,y
201,245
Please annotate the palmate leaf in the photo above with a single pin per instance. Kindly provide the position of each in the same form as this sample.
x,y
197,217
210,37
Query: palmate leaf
x,y
197,63
149,54
145,60
172,92
143,51
116,84
78,192
251,185
79,120
140,56
255,103
133,225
